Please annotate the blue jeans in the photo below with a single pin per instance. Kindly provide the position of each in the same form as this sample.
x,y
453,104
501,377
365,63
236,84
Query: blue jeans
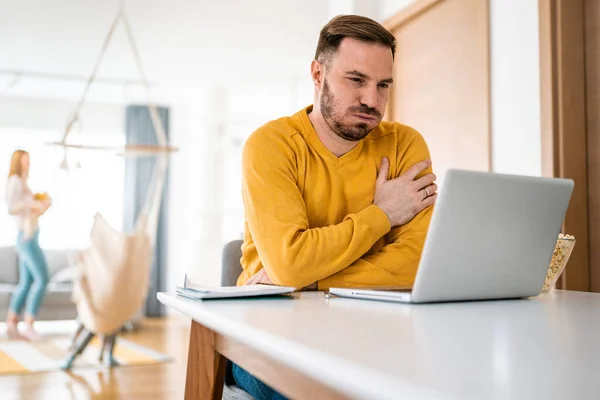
x,y
253,386
33,276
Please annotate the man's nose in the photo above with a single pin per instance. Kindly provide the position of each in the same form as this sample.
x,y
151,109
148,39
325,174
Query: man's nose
x,y
370,97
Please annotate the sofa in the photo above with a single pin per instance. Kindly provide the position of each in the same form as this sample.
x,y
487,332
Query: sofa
x,y
57,303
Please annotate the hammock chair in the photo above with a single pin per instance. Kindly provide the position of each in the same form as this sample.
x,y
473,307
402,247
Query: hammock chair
x,y
111,280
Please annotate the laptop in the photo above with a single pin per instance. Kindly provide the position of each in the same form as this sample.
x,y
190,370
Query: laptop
x,y
491,236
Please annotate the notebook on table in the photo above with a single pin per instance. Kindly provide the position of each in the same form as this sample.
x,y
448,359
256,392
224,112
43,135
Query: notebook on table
x,y
198,292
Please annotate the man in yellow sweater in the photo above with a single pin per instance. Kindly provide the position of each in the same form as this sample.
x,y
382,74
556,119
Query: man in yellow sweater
x,y
333,195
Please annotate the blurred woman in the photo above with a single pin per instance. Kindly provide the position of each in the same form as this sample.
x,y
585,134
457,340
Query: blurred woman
x,y
26,207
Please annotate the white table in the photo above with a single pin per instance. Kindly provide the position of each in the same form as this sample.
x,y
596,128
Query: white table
x,y
309,346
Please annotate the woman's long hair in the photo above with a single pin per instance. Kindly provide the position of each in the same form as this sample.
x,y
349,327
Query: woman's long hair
x,y
16,167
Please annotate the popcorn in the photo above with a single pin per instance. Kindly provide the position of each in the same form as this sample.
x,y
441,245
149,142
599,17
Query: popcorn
x,y
562,252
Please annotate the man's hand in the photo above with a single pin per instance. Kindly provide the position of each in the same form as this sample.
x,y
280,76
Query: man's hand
x,y
260,277
404,197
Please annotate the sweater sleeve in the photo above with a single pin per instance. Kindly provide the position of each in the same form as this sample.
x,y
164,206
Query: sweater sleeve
x,y
292,253
397,262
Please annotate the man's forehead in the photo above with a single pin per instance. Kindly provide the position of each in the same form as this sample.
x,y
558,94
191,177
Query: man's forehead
x,y
366,57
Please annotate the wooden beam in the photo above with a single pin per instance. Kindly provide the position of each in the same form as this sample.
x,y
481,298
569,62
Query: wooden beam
x,y
592,59
564,137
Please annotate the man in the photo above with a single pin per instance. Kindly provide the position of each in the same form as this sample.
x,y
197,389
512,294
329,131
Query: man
x,y
333,195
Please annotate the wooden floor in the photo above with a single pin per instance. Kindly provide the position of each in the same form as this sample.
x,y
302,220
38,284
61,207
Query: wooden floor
x,y
155,382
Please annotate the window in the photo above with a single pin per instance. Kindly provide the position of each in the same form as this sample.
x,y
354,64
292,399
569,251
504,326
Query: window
x,y
77,195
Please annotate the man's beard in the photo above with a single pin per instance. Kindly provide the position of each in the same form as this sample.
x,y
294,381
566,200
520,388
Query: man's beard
x,y
352,132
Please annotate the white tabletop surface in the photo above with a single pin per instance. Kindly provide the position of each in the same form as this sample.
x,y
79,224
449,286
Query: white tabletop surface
x,y
542,348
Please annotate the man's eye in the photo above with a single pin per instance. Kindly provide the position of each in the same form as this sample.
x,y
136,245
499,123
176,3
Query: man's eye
x,y
356,80
384,85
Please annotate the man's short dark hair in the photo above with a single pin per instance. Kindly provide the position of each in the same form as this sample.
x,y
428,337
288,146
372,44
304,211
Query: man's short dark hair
x,y
352,26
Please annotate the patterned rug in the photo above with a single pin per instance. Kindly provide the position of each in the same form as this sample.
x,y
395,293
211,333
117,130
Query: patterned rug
x,y
21,357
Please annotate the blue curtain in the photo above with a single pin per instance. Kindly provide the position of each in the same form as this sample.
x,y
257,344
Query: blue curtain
x,y
138,175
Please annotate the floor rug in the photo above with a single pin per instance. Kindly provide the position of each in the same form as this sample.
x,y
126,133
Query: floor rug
x,y
22,357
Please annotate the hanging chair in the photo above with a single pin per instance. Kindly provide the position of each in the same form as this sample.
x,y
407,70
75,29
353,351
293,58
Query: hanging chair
x,y
111,280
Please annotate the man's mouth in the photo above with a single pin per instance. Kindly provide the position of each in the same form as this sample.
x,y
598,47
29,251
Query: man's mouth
x,y
366,117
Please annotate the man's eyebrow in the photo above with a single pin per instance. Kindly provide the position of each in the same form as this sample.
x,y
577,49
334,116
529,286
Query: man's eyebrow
x,y
357,73
364,76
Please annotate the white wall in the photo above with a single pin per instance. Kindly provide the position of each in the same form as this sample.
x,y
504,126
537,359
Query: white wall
x,y
388,8
367,8
515,87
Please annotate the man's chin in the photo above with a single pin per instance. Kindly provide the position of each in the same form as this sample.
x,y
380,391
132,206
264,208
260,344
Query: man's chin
x,y
355,135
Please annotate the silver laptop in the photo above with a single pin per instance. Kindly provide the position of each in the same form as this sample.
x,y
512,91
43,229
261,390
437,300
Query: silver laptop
x,y
491,236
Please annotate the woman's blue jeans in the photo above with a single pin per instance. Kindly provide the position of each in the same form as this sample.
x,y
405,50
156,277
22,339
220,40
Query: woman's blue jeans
x,y
33,276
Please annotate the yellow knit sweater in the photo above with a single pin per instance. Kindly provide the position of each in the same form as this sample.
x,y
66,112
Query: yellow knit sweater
x,y
310,217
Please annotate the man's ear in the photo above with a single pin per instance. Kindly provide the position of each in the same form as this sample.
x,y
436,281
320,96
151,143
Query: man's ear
x,y
317,72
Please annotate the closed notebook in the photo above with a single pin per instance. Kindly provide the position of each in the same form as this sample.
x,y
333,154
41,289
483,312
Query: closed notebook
x,y
199,292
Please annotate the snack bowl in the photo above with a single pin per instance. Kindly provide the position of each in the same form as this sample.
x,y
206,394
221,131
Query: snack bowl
x,y
560,257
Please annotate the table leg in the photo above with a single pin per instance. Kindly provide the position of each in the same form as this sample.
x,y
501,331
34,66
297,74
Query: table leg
x,y
205,367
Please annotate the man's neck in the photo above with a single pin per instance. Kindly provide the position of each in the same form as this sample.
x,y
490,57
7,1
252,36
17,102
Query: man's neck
x,y
328,137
